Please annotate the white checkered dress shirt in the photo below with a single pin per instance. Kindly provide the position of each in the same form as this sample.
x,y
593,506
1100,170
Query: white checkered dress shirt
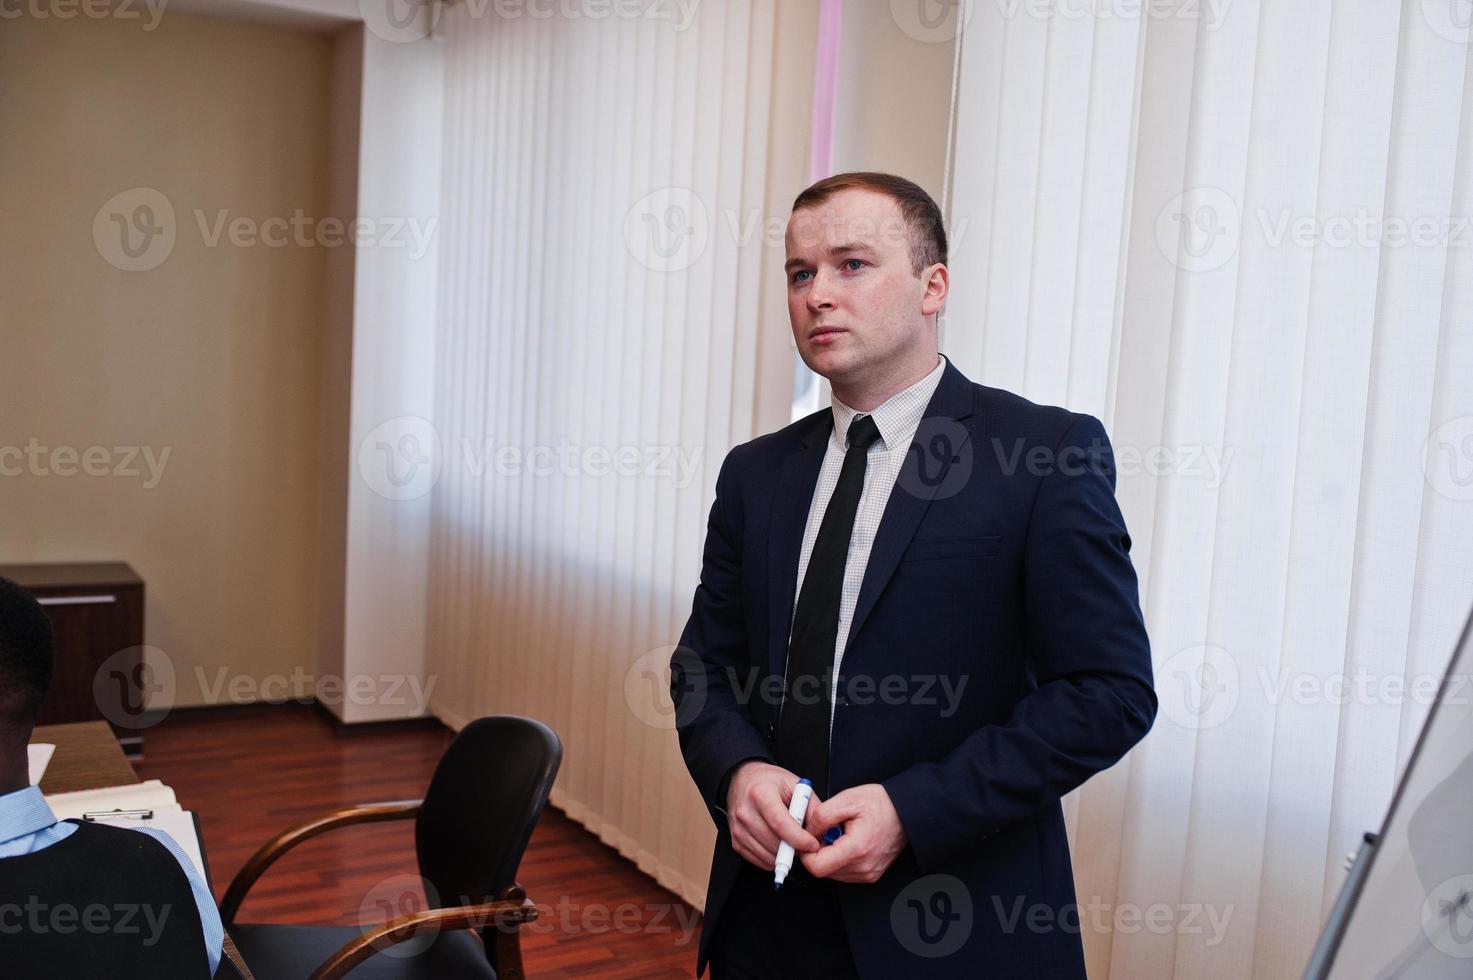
x,y
897,419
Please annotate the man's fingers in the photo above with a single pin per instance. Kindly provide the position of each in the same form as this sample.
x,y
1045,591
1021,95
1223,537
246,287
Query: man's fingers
x,y
763,857
755,829
751,849
835,810
835,857
765,860
781,823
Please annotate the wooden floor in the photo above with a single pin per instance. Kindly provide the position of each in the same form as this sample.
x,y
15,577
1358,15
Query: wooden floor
x,y
250,773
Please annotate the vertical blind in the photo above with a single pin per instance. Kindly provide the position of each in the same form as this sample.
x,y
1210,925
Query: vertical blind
x,y
604,181
1239,234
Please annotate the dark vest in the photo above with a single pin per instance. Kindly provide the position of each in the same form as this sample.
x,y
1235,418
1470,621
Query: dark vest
x,y
105,902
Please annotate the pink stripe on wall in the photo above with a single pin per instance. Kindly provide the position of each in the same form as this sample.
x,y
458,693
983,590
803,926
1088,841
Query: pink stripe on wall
x,y
825,90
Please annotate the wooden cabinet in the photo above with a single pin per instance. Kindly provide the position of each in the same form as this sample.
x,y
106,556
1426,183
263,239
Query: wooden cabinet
x,y
96,613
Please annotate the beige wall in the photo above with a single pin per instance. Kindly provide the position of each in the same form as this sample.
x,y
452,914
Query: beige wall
x,y
213,356
894,97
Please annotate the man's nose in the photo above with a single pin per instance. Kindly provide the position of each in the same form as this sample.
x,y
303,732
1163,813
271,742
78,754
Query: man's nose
x,y
820,293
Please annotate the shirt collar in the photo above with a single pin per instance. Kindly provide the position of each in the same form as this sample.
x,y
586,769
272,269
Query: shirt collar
x,y
898,416
24,812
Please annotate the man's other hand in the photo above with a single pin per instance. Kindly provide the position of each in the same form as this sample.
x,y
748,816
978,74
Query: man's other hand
x,y
873,836
757,801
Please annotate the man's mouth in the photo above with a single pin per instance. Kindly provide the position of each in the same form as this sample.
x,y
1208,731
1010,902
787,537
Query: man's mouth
x,y
824,335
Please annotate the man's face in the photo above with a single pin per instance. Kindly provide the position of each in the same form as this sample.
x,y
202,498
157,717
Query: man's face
x,y
854,303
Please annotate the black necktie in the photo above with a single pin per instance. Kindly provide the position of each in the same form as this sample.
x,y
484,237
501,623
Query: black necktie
x,y
802,742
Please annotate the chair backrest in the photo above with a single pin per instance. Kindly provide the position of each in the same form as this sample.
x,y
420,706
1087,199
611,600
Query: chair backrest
x,y
482,803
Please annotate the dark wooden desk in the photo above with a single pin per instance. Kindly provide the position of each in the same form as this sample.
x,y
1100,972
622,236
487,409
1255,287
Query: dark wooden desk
x,y
96,613
88,757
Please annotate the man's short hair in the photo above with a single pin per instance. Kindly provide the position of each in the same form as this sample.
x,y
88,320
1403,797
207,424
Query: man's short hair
x,y
922,216
25,651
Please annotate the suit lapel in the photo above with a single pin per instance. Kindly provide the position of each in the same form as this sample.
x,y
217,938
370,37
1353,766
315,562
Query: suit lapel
x,y
796,480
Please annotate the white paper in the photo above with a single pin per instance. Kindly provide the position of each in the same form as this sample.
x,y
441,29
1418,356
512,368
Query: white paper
x,y
38,757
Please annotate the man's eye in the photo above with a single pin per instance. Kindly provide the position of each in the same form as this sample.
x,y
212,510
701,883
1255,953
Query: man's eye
x,y
797,276
854,265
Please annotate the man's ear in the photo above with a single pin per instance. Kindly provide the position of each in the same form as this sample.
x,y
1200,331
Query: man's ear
x,y
937,282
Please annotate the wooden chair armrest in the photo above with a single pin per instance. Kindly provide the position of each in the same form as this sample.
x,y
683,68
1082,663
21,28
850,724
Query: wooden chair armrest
x,y
506,915
307,829
229,952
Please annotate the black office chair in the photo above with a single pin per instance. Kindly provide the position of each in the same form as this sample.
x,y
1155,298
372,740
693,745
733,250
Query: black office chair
x,y
470,832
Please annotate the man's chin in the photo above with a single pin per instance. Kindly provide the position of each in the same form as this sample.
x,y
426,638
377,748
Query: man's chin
x,y
830,364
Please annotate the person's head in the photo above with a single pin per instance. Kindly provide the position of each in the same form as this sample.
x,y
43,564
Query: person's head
x,y
25,657
866,267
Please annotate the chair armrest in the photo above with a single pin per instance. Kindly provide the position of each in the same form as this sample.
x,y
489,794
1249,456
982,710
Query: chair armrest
x,y
228,950
505,915
307,829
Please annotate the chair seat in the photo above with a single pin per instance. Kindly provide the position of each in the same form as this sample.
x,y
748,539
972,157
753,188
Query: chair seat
x,y
275,952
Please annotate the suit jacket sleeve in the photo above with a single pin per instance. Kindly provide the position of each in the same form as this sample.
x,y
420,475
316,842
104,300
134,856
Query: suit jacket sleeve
x,y
1088,656
714,724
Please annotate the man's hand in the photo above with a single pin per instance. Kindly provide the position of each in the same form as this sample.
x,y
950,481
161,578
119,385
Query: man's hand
x,y
757,802
873,836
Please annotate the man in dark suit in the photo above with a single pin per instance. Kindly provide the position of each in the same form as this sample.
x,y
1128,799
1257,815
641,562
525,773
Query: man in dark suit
x,y
965,648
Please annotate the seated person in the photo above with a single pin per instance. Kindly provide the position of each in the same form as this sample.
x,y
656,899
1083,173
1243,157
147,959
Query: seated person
x,y
80,899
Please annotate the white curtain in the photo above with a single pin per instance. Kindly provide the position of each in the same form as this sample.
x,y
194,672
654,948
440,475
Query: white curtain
x,y
600,349
1239,233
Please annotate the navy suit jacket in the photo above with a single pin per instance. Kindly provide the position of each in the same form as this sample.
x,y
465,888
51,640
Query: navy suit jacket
x,y
996,660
